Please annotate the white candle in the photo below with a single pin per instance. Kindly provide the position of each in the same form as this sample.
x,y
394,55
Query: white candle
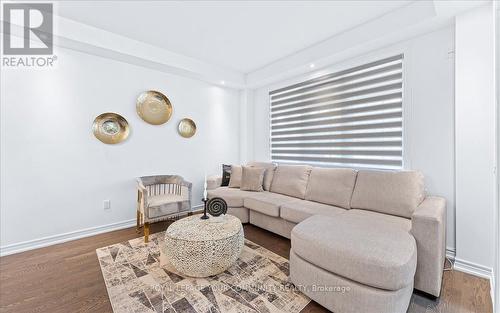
x,y
205,187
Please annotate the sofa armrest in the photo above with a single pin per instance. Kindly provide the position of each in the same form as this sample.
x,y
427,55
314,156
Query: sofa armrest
x,y
213,182
428,226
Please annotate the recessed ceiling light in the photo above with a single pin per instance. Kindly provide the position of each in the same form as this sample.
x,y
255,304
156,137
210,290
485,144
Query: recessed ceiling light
x,y
222,82
311,65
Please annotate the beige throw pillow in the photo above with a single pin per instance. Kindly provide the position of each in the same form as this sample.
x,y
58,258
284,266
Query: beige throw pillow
x,y
268,174
235,180
252,178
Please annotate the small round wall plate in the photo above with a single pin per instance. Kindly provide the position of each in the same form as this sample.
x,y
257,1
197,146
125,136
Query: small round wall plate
x,y
110,128
187,128
154,107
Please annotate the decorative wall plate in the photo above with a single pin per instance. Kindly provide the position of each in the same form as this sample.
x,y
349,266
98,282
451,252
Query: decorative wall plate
x,y
154,107
187,128
110,128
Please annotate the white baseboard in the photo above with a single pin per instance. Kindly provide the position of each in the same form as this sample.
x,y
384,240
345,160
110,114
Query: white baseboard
x,y
60,238
69,236
473,269
450,253
469,267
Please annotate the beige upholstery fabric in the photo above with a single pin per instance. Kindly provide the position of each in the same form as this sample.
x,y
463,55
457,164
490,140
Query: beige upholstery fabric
x,y
167,208
351,247
252,178
356,298
214,182
164,198
269,173
396,193
298,211
235,180
161,196
273,224
291,180
382,220
241,213
267,202
234,197
331,186
429,229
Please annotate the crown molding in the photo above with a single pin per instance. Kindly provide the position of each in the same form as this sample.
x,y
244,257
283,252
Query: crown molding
x,y
81,37
415,19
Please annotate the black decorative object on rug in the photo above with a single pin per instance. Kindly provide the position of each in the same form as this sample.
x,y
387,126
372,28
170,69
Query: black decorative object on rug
x,y
204,216
216,206
226,175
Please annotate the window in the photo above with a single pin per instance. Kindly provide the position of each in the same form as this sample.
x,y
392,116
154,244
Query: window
x,y
352,118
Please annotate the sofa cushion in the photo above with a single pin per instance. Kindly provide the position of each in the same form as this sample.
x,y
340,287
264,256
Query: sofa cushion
x,y
268,174
396,193
235,179
382,220
234,197
331,186
349,246
166,204
267,202
252,178
298,211
291,180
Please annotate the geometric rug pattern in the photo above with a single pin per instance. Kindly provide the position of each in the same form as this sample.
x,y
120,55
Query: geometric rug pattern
x,y
257,282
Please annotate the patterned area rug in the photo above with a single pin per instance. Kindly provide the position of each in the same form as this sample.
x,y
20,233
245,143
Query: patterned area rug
x,y
136,282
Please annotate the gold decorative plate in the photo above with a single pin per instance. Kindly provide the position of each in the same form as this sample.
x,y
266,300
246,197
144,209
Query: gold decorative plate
x,y
187,128
154,107
110,128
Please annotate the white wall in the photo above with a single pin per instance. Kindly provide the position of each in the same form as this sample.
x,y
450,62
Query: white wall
x,y
428,111
55,174
496,272
475,137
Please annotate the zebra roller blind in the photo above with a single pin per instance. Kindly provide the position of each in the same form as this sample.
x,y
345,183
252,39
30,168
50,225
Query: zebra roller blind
x,y
352,118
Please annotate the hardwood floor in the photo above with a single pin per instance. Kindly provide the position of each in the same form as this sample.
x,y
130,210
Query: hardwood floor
x,y
67,278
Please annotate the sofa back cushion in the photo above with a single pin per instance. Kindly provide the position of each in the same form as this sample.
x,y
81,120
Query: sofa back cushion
x,y
291,180
396,193
252,178
332,186
268,174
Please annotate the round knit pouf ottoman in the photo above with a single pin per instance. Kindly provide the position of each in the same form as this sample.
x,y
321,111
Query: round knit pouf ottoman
x,y
202,248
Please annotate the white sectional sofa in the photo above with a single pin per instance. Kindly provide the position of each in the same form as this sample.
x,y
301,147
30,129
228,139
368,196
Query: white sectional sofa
x,y
375,232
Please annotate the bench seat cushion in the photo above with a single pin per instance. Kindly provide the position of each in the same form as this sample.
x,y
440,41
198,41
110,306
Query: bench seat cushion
x,y
349,246
267,203
166,204
298,211
234,197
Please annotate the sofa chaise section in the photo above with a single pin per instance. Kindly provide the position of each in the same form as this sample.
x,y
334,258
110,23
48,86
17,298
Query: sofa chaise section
x,y
402,193
348,247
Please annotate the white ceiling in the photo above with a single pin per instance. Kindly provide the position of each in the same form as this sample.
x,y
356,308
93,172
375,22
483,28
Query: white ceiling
x,y
243,36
